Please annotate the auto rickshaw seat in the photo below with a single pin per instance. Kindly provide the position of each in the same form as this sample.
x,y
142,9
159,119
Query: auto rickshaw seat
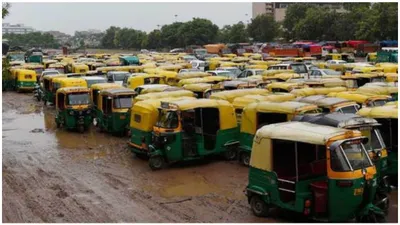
x,y
319,167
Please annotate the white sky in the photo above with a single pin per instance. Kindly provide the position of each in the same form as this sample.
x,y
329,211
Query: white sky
x,y
71,17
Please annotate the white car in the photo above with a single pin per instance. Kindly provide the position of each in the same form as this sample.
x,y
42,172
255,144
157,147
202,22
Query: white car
x,y
336,62
251,72
324,73
236,71
190,70
224,73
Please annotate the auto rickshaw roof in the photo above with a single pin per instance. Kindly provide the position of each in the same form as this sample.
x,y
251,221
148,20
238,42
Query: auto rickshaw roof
x,y
342,120
232,94
104,85
386,111
94,78
323,101
198,87
360,97
52,76
288,107
72,89
300,132
376,90
200,103
283,85
151,86
317,91
118,91
169,94
187,75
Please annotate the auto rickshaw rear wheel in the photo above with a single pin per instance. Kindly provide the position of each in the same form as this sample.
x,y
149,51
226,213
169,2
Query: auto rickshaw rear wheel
x,y
245,158
156,162
230,153
258,206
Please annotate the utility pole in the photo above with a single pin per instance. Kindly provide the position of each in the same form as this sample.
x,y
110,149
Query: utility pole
x,y
176,18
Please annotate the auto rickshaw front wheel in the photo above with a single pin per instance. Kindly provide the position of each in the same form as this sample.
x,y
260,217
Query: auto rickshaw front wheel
x,y
230,153
371,218
245,158
156,162
259,207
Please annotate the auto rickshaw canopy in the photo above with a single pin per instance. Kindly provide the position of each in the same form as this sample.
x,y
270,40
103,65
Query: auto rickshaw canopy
x,y
117,91
227,117
169,94
232,94
358,97
241,102
386,111
287,86
262,151
24,75
201,87
324,101
249,115
316,91
73,82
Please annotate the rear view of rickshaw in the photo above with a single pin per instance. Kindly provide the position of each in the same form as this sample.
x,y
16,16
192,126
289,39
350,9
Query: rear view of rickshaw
x,y
143,117
258,114
375,146
95,90
322,172
203,90
48,90
387,115
23,80
364,100
331,104
193,129
73,108
113,110
232,94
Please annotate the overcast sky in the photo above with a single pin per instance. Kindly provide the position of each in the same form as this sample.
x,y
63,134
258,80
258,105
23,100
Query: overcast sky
x,y
71,17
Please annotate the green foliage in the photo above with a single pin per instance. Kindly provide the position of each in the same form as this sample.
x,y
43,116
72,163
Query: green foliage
x,y
360,21
233,34
169,35
263,28
108,39
34,39
154,40
198,32
5,10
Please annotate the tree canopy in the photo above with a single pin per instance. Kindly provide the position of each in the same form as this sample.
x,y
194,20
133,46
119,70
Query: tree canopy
x,y
263,28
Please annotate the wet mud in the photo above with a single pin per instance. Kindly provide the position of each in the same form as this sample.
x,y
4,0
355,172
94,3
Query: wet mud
x,y
54,175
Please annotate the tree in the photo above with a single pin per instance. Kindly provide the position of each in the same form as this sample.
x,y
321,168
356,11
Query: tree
x,y
198,32
294,13
169,35
233,34
5,11
33,39
154,40
108,39
263,28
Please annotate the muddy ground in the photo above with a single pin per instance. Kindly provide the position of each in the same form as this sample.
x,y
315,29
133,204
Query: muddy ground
x,y
51,175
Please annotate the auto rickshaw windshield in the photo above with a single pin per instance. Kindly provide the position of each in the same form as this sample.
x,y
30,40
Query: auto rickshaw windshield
x,y
123,102
379,102
350,155
377,79
168,119
39,71
352,109
119,76
375,140
78,99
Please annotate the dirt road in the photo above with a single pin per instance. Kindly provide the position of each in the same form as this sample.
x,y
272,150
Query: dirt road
x,y
52,175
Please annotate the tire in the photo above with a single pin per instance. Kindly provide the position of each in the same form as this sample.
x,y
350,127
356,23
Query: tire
x,y
156,162
230,153
81,128
245,158
371,218
384,205
258,206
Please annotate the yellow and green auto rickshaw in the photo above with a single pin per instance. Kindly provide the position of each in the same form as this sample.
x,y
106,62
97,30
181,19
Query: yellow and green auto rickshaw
x,y
38,68
387,115
331,104
237,84
73,108
173,78
281,77
364,100
136,81
168,94
23,80
388,67
95,90
209,80
60,67
203,90
47,63
322,172
143,118
48,90
192,129
79,68
113,110
375,146
392,78
257,114
379,89
232,94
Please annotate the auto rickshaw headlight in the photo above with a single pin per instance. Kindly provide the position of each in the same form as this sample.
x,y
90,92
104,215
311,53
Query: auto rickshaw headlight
x,y
379,154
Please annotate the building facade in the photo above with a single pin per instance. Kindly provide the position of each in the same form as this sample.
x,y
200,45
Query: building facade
x,y
278,9
16,29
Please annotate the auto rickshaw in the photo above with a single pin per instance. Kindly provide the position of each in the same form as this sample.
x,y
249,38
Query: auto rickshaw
x,y
143,118
388,67
325,83
169,94
151,88
232,94
59,67
173,78
95,65
285,87
73,108
203,90
91,80
321,172
340,56
331,104
113,107
316,91
281,77
181,133
79,68
48,89
355,81
38,68
237,84
379,89
375,146
255,115
173,68
371,57
364,100
387,116
136,81
47,63
392,77
23,80
95,90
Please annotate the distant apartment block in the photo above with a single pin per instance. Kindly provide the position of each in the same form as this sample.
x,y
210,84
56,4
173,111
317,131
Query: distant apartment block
x,y
278,9
16,29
